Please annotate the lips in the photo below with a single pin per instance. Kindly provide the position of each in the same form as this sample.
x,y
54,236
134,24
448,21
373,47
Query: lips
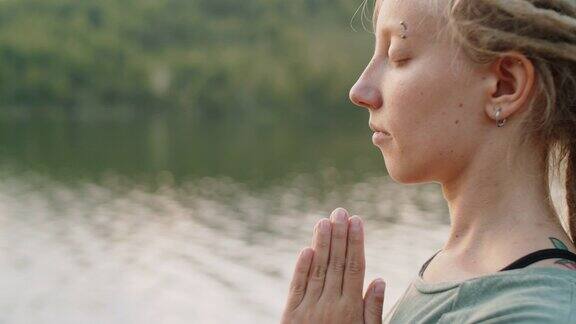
x,y
374,128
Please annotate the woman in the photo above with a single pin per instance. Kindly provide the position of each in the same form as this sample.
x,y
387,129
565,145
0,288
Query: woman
x,y
478,96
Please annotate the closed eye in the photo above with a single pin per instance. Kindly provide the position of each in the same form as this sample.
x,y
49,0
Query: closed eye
x,y
398,62
401,62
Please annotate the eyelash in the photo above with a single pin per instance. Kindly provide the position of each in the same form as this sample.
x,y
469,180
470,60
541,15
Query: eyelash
x,y
397,62
401,62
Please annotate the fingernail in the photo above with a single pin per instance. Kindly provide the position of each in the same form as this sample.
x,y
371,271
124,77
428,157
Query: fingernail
x,y
379,286
340,215
355,223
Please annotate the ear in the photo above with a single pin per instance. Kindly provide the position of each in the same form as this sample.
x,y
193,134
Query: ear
x,y
511,79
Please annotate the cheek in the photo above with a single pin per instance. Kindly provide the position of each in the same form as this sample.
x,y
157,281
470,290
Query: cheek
x,y
432,91
428,112
418,106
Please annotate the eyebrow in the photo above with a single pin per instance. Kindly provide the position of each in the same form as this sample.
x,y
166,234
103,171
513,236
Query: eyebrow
x,y
388,31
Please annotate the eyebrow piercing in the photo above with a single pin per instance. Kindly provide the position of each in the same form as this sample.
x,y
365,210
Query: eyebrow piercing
x,y
403,24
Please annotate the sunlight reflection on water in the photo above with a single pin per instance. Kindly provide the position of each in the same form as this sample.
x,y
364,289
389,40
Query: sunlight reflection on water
x,y
207,251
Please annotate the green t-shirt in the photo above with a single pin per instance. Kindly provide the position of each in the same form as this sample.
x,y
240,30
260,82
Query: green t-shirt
x,y
528,295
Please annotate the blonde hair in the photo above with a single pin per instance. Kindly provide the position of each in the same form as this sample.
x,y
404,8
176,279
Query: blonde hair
x,y
545,32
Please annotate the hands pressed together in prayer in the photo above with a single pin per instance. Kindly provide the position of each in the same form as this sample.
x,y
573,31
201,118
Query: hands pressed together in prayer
x,y
328,279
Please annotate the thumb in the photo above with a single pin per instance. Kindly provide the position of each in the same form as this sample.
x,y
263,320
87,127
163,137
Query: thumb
x,y
374,301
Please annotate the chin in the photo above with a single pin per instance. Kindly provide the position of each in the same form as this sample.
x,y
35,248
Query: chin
x,y
405,173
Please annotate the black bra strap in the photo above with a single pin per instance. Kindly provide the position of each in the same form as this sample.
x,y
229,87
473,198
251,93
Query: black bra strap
x,y
539,256
525,260
421,273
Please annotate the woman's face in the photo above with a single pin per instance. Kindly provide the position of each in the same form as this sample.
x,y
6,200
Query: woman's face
x,y
425,93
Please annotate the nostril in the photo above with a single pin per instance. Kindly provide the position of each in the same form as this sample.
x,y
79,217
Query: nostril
x,y
357,102
365,96
365,104
369,103
368,98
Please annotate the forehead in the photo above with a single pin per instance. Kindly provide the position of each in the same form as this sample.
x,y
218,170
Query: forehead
x,y
420,16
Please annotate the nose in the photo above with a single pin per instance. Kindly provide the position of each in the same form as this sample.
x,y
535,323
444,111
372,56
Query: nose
x,y
365,95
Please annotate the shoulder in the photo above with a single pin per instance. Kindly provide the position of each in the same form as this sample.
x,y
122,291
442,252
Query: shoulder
x,y
530,295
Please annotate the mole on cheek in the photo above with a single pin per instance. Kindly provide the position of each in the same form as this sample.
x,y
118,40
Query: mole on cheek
x,y
461,105
456,122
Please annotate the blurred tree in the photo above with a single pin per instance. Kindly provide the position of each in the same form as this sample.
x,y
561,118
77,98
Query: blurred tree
x,y
251,59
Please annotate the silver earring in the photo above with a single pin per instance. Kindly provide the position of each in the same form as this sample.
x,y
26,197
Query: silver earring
x,y
403,24
497,115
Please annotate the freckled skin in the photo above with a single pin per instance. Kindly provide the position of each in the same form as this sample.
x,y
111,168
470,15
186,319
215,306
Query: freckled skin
x,y
418,100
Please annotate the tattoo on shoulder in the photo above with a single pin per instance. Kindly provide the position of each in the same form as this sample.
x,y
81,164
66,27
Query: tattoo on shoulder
x,y
558,244
563,262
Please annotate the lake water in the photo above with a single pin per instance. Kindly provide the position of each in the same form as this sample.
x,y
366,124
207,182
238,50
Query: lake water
x,y
154,223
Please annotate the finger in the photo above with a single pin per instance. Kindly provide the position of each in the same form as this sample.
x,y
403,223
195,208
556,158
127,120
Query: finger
x,y
355,261
337,259
315,232
299,279
317,274
374,302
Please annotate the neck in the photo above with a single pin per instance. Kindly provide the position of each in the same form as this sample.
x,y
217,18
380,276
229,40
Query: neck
x,y
499,208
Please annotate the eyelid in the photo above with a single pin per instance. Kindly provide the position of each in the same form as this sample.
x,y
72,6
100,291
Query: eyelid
x,y
397,59
388,48
396,56
402,61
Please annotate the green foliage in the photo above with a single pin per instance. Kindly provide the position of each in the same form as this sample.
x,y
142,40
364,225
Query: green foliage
x,y
220,59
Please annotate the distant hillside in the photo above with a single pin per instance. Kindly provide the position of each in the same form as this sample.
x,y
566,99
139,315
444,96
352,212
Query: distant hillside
x,y
215,58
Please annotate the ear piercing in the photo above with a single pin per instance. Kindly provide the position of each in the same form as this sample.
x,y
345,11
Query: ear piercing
x,y
405,28
497,115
